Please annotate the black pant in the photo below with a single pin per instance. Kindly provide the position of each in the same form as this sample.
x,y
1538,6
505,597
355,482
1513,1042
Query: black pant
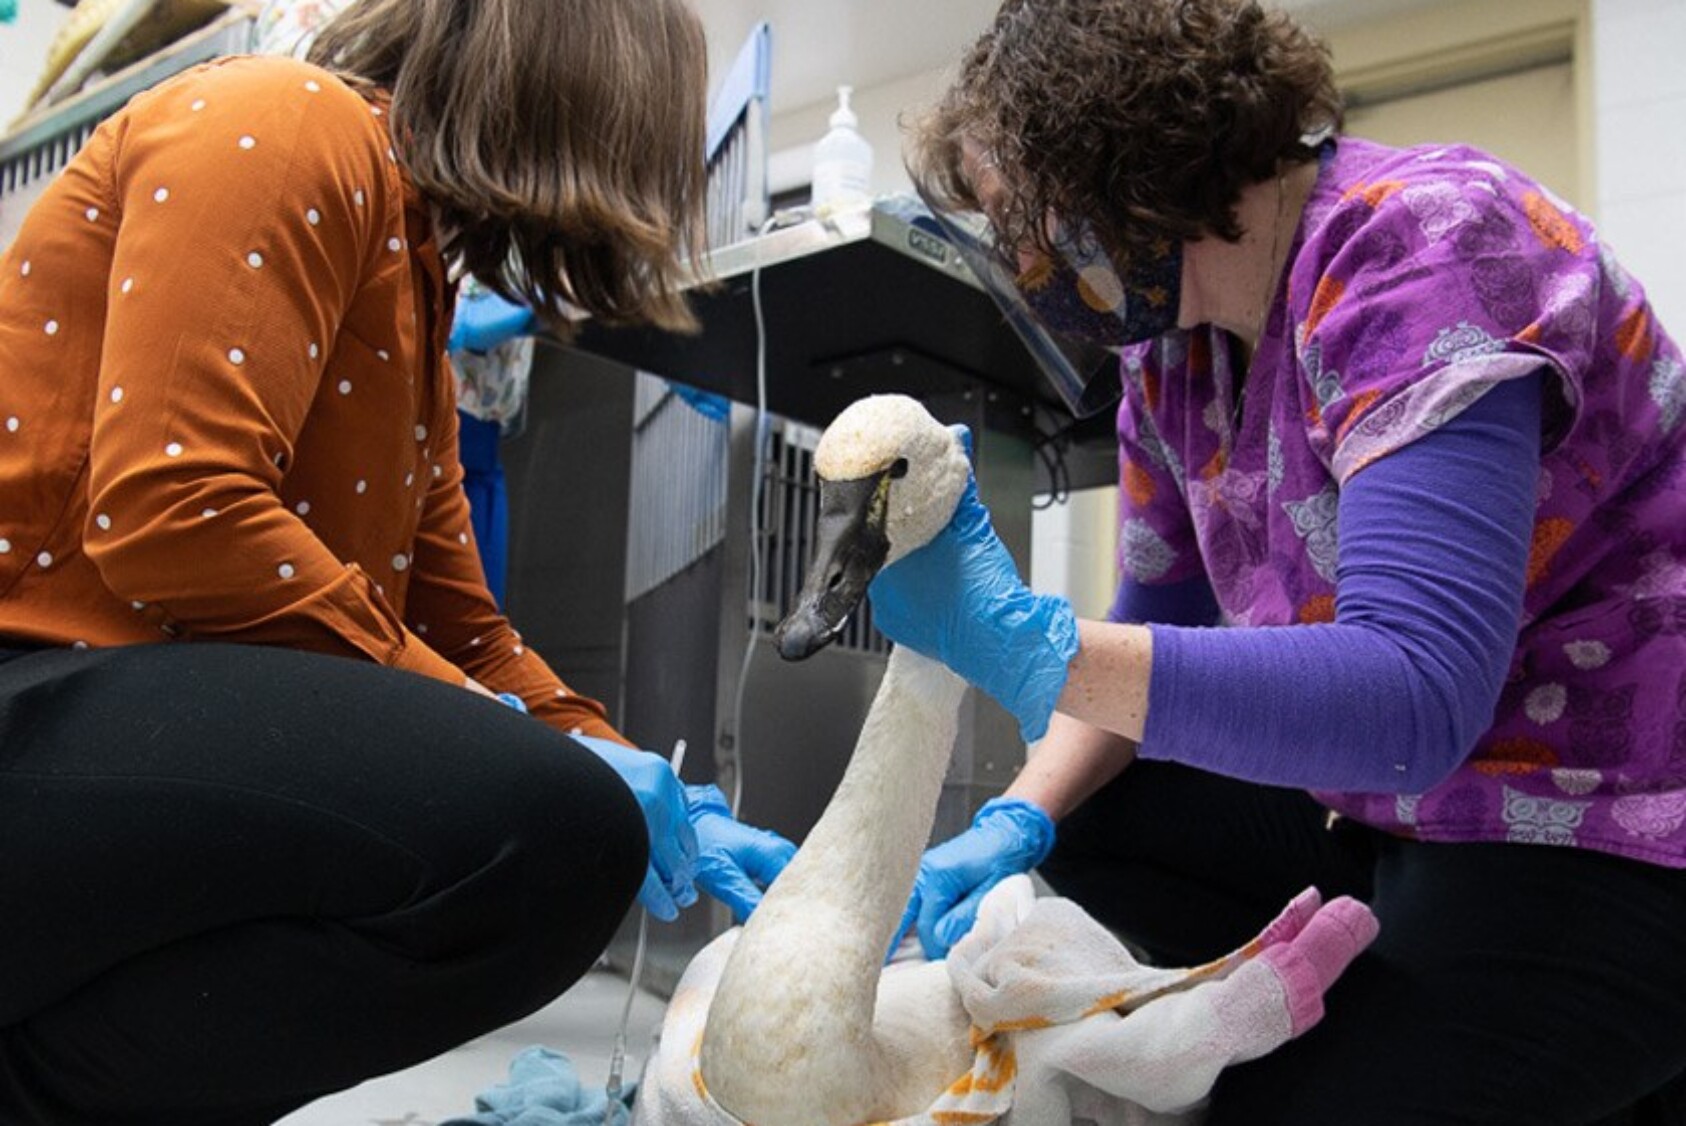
x,y
1514,984
233,879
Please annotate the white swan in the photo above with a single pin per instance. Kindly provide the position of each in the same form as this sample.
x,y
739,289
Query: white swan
x,y
794,1020
806,1025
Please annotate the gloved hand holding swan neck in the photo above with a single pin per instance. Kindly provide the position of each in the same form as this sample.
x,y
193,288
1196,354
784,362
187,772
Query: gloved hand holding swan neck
x,y
1008,836
959,600
735,862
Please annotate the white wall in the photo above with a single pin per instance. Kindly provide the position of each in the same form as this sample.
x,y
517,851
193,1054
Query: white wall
x,y
1639,115
23,52
880,108
1528,118
1073,550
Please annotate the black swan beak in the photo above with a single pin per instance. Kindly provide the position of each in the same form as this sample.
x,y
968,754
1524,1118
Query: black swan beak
x,y
852,546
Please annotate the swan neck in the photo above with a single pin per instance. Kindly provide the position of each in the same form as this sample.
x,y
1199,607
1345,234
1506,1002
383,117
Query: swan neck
x,y
807,966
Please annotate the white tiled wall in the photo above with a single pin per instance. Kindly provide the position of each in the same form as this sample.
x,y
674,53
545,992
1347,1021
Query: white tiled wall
x,y
1639,97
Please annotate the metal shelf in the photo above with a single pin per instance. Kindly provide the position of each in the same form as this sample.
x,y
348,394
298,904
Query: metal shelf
x,y
861,302
867,301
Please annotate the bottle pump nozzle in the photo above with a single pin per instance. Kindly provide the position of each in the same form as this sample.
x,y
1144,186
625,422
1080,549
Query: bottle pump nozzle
x,y
843,115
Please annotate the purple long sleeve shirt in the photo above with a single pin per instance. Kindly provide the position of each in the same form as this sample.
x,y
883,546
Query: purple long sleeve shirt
x,y
1489,616
1392,695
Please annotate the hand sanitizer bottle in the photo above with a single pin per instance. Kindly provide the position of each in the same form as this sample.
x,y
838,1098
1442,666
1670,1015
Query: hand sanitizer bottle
x,y
842,160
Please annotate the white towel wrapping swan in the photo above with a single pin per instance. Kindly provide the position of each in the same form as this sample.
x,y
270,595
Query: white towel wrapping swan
x,y
1067,1025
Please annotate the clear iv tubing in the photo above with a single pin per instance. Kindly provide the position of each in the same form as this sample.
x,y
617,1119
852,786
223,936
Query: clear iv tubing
x,y
617,1056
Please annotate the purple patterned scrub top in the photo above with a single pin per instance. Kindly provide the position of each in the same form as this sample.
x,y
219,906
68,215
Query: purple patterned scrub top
x,y
1418,279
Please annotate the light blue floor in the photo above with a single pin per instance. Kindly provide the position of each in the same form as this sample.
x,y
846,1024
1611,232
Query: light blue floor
x,y
581,1024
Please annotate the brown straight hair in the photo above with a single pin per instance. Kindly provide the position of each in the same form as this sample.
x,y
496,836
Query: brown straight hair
x,y
560,140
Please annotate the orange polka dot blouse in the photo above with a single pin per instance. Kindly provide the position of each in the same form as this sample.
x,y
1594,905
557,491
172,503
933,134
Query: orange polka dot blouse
x,y
226,412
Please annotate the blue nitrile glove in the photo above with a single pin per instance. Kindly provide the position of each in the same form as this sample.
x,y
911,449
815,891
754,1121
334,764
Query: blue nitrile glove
x,y
484,320
1008,836
734,861
673,843
511,700
959,600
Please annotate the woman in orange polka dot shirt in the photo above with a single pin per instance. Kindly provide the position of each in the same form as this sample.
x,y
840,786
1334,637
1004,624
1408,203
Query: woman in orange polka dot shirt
x,y
268,828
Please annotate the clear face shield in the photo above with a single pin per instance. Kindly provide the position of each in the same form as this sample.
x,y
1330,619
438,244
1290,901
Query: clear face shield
x,y
1074,310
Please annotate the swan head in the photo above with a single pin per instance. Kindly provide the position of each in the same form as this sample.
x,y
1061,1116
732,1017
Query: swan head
x,y
889,476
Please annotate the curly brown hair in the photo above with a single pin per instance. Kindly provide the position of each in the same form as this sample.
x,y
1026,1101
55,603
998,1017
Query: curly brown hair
x,y
1144,118
562,142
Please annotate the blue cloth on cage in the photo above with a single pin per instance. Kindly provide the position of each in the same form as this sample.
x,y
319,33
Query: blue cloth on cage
x,y
715,408
543,1090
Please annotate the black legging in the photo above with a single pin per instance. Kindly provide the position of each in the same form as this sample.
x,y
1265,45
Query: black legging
x,y
233,879
1510,984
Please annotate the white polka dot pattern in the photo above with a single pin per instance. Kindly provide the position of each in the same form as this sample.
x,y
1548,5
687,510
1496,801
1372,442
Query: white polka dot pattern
x,y
277,366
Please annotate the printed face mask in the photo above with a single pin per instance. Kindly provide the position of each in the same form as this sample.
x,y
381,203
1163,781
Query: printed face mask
x,y
1068,314
1080,293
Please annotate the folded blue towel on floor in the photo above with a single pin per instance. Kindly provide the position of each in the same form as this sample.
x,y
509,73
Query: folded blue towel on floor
x,y
543,1090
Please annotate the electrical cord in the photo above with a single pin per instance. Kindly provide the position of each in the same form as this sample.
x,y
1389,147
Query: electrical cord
x,y
1050,449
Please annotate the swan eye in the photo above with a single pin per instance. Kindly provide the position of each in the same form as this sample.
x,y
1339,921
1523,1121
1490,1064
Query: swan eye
x,y
899,469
